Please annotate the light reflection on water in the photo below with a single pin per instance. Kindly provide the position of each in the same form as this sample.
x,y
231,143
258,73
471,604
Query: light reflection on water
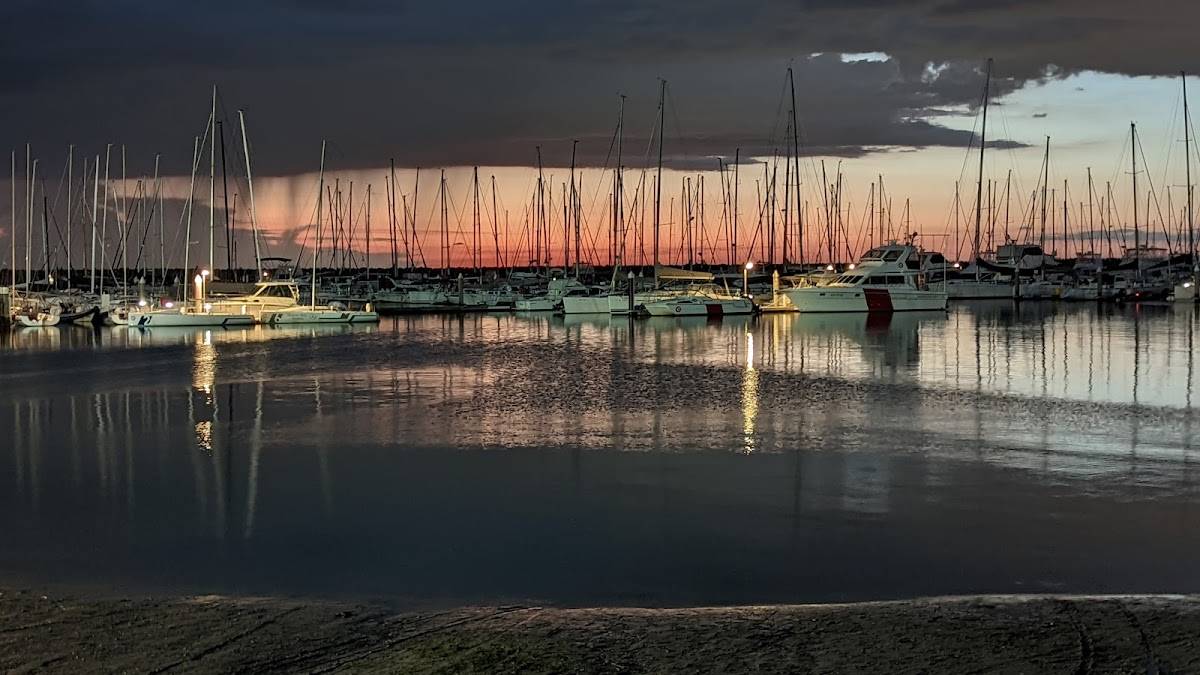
x,y
593,459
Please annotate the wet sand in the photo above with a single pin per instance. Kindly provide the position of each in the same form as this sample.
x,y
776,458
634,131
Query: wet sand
x,y
41,632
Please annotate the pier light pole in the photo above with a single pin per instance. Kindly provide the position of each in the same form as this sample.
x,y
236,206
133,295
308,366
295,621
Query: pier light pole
x,y
746,278
199,281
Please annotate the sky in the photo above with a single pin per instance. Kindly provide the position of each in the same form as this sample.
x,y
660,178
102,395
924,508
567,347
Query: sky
x,y
883,89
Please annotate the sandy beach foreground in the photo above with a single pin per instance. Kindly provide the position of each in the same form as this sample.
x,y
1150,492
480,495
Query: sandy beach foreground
x,y
58,633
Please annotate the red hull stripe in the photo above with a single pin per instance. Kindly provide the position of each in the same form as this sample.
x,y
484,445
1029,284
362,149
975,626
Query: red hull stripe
x,y
878,299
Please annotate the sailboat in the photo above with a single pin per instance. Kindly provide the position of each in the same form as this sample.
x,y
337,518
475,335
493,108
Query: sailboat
x,y
201,312
1185,290
285,295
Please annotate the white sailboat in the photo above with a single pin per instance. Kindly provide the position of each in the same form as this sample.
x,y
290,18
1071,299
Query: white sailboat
x,y
202,312
279,300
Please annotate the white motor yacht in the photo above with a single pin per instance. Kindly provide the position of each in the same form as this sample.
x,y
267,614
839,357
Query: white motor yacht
x,y
268,296
882,281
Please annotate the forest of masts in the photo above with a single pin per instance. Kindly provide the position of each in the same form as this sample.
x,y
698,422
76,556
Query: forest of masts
x,y
788,210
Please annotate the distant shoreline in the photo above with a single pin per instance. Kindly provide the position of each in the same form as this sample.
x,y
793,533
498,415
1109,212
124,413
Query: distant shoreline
x,y
1022,633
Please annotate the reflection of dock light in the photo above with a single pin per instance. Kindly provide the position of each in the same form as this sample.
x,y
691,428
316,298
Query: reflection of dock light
x,y
141,303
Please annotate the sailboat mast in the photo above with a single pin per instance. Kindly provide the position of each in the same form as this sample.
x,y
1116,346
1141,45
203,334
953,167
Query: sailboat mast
x,y
733,220
250,185
317,235
12,230
476,256
392,212
619,181
95,208
574,215
70,203
1187,163
496,224
662,118
212,185
162,258
979,185
445,233
187,238
229,260
31,180
1137,256
796,160
540,224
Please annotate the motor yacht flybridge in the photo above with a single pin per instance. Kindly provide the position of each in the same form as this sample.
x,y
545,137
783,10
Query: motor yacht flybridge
x,y
886,279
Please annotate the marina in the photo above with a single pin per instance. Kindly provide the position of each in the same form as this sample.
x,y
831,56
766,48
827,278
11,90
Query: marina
x,y
599,338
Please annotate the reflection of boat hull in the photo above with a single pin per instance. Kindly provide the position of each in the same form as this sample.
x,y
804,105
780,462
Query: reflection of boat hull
x,y
306,315
175,318
860,299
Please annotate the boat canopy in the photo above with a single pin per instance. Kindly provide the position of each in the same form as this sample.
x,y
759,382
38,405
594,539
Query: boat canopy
x,y
678,274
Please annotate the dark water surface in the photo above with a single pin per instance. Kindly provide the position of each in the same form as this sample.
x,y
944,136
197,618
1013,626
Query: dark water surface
x,y
486,459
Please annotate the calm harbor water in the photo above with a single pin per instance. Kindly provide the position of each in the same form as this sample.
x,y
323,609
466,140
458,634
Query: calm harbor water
x,y
496,458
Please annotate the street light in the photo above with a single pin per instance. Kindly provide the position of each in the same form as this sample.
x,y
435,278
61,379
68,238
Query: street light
x,y
746,278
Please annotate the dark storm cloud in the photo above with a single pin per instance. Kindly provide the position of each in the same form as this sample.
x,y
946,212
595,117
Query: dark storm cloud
x,y
433,83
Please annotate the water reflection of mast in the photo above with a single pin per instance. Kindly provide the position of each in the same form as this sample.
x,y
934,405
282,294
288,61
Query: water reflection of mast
x,y
252,472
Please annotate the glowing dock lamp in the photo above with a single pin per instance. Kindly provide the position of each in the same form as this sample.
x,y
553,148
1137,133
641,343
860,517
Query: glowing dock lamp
x,y
829,267
746,277
199,281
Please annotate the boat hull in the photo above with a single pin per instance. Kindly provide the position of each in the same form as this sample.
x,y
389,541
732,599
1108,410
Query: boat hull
x,y
1185,292
594,304
325,316
715,307
170,319
858,299
42,320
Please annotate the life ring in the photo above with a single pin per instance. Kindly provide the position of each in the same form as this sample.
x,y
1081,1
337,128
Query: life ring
x,y
678,309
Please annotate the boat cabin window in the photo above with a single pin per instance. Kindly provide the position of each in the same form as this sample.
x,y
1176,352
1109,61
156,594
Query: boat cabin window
x,y
275,292
873,254
893,254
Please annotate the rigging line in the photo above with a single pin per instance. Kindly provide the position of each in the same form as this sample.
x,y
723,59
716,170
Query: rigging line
x,y
1157,205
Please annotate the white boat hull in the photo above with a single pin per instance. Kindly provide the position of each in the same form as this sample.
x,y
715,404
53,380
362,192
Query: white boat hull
x,y
593,304
859,299
700,307
174,318
535,305
305,315
42,320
